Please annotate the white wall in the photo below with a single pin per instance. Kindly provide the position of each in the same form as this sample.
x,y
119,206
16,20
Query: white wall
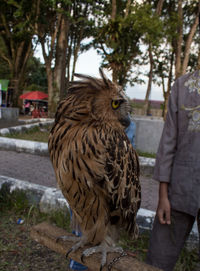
x,y
148,133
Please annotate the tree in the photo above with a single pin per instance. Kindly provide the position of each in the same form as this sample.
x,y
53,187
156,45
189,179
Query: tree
x,y
118,38
173,58
152,40
61,28
52,31
17,27
186,30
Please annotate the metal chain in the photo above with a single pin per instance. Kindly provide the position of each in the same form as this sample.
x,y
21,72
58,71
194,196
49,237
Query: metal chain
x,y
110,265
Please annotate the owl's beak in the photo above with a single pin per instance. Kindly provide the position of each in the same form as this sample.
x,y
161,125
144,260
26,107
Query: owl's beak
x,y
126,121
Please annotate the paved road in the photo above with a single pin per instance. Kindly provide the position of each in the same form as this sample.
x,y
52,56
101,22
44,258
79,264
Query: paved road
x,y
38,169
7,124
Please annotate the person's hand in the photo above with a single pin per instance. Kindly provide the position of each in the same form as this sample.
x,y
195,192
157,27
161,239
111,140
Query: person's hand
x,y
164,207
163,211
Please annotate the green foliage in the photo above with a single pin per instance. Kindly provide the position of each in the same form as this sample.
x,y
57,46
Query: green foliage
x,y
35,77
188,260
4,70
60,219
138,247
118,40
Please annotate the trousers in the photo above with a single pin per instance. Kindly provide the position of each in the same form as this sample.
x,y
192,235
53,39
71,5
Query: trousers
x,y
167,241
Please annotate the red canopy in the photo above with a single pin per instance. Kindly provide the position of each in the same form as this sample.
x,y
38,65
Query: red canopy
x,y
34,95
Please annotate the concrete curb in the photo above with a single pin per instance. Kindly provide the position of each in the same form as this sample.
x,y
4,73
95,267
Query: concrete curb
x,y
40,148
25,127
47,198
20,145
51,199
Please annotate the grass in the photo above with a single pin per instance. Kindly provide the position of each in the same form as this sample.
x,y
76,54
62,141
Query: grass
x,y
34,134
146,154
19,252
41,135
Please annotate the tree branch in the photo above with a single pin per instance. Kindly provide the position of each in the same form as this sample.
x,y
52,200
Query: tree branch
x,y
189,41
47,234
179,40
128,4
8,35
114,10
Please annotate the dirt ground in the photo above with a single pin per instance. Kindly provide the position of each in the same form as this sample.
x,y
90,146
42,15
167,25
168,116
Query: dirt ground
x,y
18,252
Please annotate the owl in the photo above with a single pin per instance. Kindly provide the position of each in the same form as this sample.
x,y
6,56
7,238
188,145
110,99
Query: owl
x,y
96,167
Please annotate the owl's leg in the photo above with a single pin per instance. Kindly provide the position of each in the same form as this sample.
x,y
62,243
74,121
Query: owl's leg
x,y
80,242
103,248
68,238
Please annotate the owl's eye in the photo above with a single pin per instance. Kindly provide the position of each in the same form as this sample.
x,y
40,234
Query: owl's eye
x,y
115,104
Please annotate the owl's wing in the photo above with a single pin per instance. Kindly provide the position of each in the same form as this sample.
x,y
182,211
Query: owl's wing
x,y
98,173
122,179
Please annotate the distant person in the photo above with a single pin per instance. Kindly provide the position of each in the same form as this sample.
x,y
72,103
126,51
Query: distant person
x,y
27,108
131,131
178,171
31,108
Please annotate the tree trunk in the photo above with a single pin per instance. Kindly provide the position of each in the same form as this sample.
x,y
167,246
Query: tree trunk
x,y
14,87
61,51
189,41
48,54
198,61
179,41
53,94
20,61
181,66
78,43
128,4
167,93
159,7
76,50
114,10
147,103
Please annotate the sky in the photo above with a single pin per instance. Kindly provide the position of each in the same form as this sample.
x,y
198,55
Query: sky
x,y
89,63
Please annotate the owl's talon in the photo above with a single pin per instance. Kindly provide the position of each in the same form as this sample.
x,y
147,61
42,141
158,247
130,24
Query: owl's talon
x,y
68,252
82,258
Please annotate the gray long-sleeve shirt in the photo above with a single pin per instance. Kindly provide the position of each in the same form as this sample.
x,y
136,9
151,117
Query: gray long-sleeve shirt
x,y
178,156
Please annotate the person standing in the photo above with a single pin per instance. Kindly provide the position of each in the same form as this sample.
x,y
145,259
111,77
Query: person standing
x,y
177,169
27,108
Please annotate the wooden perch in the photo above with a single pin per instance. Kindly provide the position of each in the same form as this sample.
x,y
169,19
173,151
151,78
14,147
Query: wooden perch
x,y
47,234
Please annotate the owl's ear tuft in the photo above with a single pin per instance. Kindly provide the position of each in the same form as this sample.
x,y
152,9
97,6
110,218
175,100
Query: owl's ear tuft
x,y
106,81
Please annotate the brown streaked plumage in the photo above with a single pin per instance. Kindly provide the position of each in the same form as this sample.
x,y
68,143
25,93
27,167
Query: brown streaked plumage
x,y
96,166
